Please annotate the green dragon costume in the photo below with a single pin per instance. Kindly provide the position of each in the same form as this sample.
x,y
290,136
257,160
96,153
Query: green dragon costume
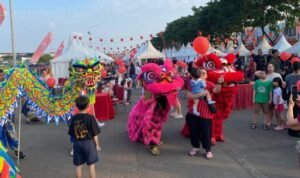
x,y
23,82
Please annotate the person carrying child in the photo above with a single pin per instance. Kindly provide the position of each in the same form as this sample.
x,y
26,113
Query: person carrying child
x,y
84,129
198,86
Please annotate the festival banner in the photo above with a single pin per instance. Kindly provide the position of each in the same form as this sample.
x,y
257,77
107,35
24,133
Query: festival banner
x,y
2,13
59,50
41,49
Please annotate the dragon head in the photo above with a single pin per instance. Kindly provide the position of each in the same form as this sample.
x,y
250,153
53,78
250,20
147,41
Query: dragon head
x,y
160,80
217,67
88,71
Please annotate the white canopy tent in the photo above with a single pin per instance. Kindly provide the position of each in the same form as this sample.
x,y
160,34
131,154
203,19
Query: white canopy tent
x,y
242,50
294,49
139,51
181,52
264,45
282,44
213,50
102,57
150,52
60,65
191,54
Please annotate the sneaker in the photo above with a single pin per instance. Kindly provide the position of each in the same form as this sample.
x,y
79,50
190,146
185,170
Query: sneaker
x,y
277,128
173,114
209,155
194,152
211,102
178,116
101,124
71,152
21,155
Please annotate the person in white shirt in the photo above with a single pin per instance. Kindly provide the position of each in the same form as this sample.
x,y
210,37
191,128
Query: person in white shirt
x,y
278,103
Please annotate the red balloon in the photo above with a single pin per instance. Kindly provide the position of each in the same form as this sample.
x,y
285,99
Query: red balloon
x,y
122,70
295,59
104,74
201,45
285,56
50,82
119,61
122,64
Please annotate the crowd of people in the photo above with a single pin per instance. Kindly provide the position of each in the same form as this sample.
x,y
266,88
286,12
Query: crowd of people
x,y
276,83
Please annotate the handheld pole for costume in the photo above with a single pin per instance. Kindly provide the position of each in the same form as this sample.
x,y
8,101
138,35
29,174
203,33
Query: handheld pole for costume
x,y
19,129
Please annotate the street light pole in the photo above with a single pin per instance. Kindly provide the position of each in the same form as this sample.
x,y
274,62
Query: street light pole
x,y
13,45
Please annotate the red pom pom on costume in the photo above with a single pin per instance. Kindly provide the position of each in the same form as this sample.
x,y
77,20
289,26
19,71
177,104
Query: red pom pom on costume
x,y
230,58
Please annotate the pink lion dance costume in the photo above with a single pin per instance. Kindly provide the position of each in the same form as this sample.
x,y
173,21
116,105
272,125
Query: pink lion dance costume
x,y
217,67
161,87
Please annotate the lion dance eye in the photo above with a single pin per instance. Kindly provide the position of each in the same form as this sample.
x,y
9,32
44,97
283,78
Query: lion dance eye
x,y
210,65
149,77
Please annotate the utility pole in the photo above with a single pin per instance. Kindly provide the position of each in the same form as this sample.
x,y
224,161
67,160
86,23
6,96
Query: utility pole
x,y
13,45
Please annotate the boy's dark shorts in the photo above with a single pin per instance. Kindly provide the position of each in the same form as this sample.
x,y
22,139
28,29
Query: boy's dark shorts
x,y
84,152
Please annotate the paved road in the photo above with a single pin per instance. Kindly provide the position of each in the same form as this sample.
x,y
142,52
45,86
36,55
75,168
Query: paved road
x,y
246,153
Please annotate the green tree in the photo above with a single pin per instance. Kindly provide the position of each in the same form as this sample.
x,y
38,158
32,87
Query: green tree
x,y
45,58
262,13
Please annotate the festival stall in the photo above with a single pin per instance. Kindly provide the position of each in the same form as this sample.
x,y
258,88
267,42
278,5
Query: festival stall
x,y
282,44
294,49
150,52
75,50
264,45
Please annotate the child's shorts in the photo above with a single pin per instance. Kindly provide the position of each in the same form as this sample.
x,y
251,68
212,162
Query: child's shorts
x,y
85,152
280,108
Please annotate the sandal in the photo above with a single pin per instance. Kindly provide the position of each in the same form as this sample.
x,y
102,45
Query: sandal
x,y
253,126
266,127
209,155
193,152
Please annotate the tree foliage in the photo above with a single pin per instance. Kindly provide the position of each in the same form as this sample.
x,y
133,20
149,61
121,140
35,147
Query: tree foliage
x,y
45,58
221,18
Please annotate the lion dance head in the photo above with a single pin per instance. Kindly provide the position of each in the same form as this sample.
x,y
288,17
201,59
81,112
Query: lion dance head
x,y
88,72
217,67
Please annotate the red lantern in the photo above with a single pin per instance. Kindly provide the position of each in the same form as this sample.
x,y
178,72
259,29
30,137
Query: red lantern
x,y
80,38
111,40
50,82
131,39
101,40
142,37
201,45
90,38
285,56
104,49
122,70
295,59
122,39
104,74
75,37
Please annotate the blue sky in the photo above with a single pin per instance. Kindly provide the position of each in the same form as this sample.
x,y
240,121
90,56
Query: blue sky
x,y
116,19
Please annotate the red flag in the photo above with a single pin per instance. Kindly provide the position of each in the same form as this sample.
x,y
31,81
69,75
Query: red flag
x,y
2,13
41,49
59,50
